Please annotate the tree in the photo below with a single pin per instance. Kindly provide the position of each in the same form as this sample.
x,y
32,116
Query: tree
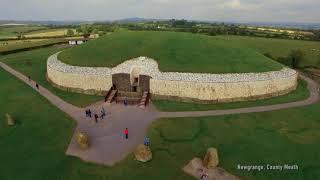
x,y
70,32
79,30
268,55
296,57
212,32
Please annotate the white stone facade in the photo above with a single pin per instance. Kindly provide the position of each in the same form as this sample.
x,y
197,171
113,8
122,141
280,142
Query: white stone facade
x,y
201,86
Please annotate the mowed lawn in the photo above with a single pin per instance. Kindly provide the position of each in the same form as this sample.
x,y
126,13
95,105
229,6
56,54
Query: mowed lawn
x,y
35,147
182,52
300,93
34,63
280,47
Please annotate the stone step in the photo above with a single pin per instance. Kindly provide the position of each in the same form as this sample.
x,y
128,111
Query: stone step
x,y
111,96
144,99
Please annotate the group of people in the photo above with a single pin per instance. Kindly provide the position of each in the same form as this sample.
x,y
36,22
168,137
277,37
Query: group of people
x,y
103,113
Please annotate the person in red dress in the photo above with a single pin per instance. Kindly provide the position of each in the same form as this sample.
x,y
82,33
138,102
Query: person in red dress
x,y
126,133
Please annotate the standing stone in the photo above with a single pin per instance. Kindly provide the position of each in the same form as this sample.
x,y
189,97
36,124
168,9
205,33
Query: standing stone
x,y
10,120
211,159
83,140
143,153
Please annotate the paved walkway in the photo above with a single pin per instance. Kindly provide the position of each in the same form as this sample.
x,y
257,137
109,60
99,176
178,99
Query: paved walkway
x,y
107,145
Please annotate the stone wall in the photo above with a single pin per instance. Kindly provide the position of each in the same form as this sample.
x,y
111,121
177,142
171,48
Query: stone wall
x,y
221,92
73,79
144,83
122,81
193,86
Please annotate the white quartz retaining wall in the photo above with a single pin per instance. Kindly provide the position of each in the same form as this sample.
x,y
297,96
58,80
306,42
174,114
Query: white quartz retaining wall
x,y
202,86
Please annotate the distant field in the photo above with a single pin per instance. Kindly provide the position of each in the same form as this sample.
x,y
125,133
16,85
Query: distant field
x,y
182,52
21,44
14,31
48,33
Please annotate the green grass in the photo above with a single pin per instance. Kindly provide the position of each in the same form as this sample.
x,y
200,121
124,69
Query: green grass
x,y
34,63
22,44
300,93
280,137
183,52
280,47
35,147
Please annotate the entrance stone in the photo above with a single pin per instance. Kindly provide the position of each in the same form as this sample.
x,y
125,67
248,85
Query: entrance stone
x,y
143,153
83,140
211,159
10,120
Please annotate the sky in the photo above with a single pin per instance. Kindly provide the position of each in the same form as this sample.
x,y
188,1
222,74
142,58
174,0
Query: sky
x,y
307,11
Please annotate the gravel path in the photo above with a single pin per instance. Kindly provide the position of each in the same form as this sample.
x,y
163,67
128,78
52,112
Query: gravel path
x,y
107,145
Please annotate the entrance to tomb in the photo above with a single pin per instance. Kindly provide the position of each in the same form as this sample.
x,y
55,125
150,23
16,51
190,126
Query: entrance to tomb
x,y
134,76
131,83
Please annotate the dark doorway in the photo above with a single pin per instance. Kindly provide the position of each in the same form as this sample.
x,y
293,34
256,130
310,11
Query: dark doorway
x,y
134,88
136,80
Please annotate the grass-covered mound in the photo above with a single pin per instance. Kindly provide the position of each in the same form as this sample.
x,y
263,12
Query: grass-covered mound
x,y
182,52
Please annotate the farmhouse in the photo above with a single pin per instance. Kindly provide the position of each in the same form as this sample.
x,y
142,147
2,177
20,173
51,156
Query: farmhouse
x,y
77,41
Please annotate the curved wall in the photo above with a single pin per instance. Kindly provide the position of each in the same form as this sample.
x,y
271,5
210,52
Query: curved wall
x,y
185,86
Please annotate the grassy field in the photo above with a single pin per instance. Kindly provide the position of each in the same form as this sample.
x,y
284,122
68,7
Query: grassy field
x,y
21,44
182,52
279,137
280,47
35,147
33,63
300,93
48,33
14,31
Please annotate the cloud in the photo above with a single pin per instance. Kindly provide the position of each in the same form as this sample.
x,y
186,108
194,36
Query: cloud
x,y
219,10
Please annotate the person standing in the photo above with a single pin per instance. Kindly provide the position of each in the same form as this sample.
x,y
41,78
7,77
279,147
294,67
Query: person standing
x,y
146,141
89,113
37,86
96,118
29,78
126,133
103,111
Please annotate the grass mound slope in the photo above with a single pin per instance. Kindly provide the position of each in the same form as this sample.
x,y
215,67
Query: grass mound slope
x,y
180,52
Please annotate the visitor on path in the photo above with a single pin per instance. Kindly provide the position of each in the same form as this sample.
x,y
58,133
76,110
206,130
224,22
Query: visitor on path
x,y
96,118
204,177
29,78
103,111
126,133
89,113
146,141
125,102
37,86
